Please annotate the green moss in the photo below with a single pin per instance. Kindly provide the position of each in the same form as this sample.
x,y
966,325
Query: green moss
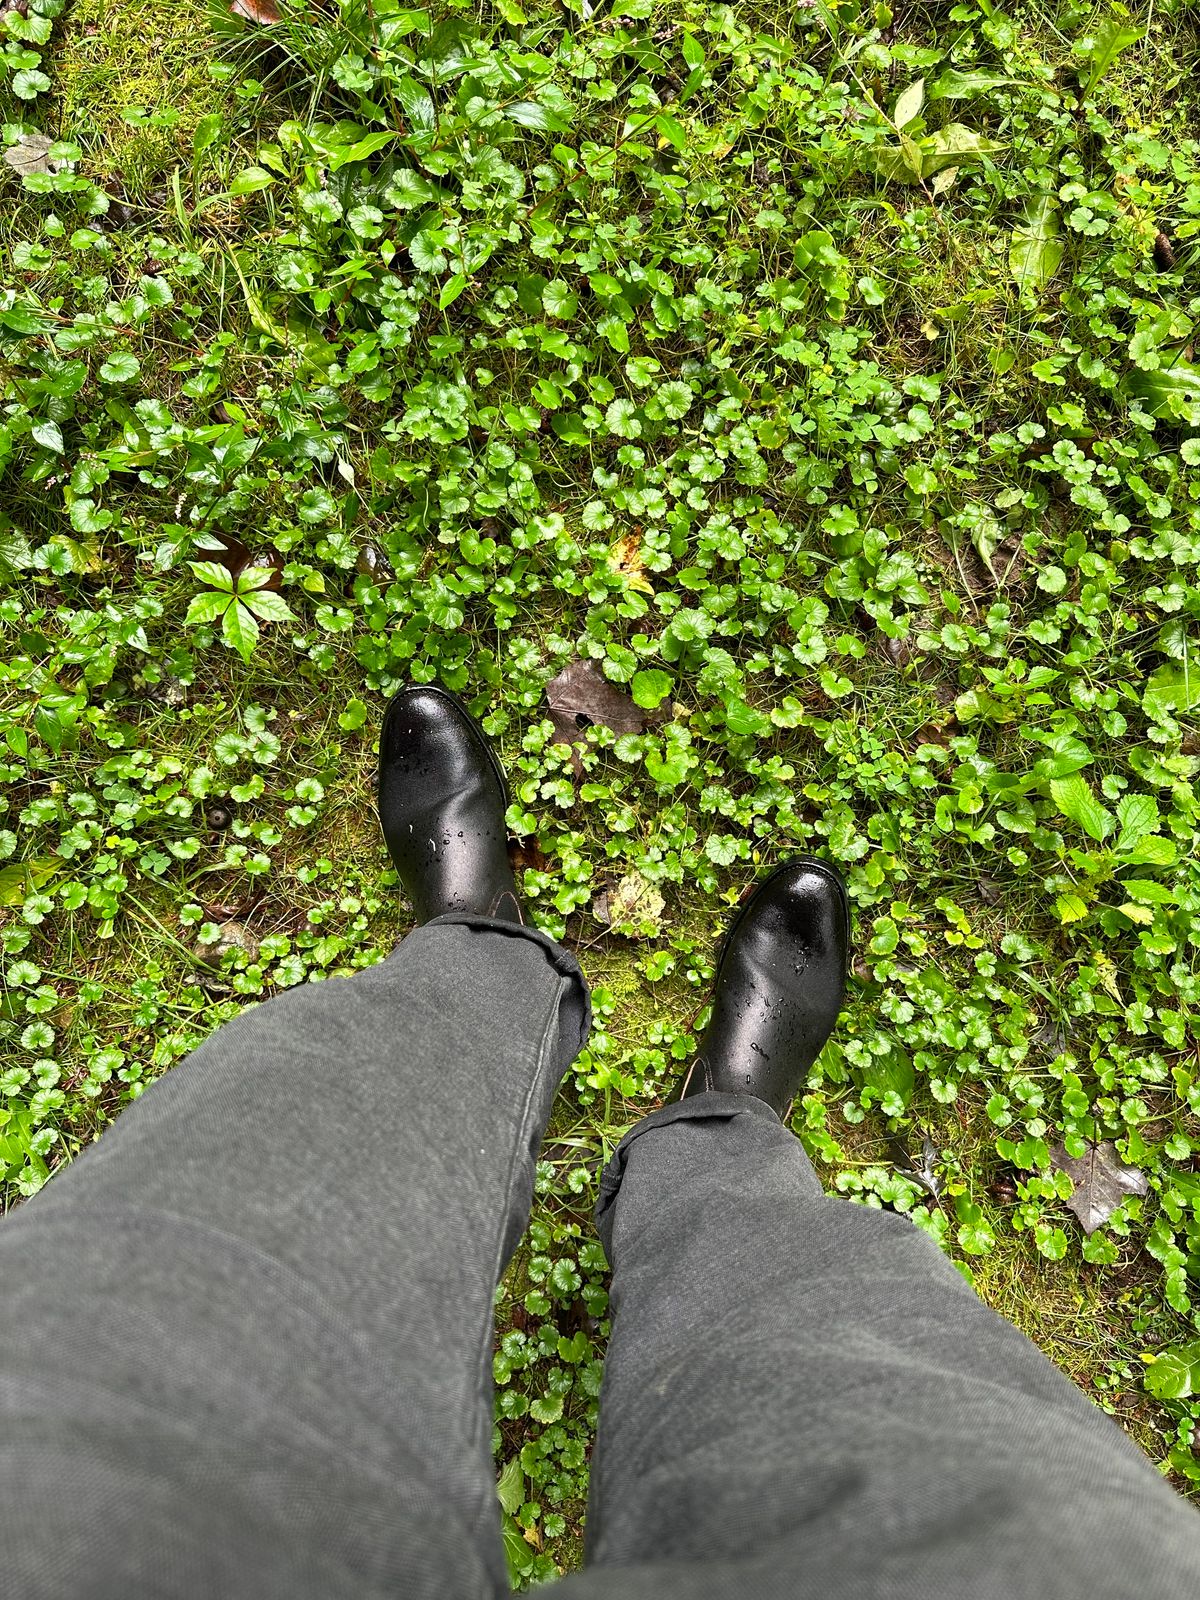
x,y
150,54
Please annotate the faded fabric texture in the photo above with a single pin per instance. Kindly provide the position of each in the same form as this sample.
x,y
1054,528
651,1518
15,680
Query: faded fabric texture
x,y
245,1339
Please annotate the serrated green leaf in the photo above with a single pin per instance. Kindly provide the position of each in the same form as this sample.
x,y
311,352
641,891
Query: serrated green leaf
x,y
651,688
1138,816
1074,798
239,629
214,574
266,604
207,607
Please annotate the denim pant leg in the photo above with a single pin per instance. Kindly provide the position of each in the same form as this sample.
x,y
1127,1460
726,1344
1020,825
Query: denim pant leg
x,y
804,1398
245,1340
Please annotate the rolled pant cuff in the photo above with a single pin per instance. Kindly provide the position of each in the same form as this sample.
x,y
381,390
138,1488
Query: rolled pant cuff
x,y
561,960
696,1108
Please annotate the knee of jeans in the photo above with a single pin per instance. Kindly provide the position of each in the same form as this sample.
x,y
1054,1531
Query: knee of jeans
x,y
865,1226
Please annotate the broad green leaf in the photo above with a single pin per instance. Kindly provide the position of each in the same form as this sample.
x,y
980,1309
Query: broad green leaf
x,y
240,629
49,435
510,1487
417,106
255,577
891,1072
369,146
536,116
1167,391
908,104
671,129
20,879
955,85
451,290
214,574
208,131
25,319
1173,689
693,53
1106,45
1174,1374
1036,250
268,605
651,688
518,1553
953,145
913,160
250,180
1074,798
15,554
207,607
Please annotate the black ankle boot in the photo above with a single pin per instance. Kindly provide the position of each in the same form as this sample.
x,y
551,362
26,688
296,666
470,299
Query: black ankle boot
x,y
442,799
781,980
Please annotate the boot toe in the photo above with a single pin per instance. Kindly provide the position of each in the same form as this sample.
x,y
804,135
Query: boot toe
x,y
442,799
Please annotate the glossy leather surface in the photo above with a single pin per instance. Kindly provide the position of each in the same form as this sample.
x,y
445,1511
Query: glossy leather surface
x,y
442,798
780,984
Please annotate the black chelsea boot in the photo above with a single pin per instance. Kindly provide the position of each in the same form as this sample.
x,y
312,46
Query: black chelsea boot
x,y
780,983
442,799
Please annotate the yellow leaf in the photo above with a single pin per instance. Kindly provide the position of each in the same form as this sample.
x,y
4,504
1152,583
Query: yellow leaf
x,y
1108,975
625,559
1071,907
1136,913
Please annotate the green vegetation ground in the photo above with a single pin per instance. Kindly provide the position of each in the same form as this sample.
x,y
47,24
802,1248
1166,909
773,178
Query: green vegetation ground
x,y
825,379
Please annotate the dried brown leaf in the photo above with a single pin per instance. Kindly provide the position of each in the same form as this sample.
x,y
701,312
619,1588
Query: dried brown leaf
x,y
263,11
1101,1181
580,697
30,155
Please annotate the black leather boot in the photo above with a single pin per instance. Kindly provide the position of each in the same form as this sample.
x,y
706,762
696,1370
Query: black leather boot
x,y
781,980
442,799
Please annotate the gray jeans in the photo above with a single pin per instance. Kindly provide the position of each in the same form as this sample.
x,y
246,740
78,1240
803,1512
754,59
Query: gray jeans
x,y
245,1340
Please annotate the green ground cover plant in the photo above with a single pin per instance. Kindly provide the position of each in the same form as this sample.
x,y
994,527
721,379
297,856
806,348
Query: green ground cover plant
x,y
820,382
